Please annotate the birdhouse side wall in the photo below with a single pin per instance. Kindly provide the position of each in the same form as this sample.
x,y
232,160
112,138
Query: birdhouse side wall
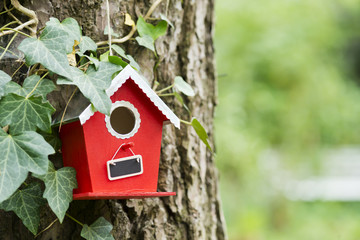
x,y
74,154
101,145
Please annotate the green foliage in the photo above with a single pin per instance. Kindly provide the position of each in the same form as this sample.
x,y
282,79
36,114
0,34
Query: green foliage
x,y
26,204
93,84
24,110
117,60
49,50
199,129
149,33
146,41
163,17
44,87
71,27
59,185
21,153
179,98
92,60
87,44
99,230
25,114
284,83
4,78
183,86
122,54
53,139
147,29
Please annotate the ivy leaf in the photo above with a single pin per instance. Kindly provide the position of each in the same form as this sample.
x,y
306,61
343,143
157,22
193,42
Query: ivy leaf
x,y
200,131
86,44
93,84
99,230
53,139
20,154
25,114
49,50
147,29
183,86
118,61
105,56
4,78
181,100
163,17
59,185
121,52
146,41
13,87
26,204
133,63
45,86
71,27
91,58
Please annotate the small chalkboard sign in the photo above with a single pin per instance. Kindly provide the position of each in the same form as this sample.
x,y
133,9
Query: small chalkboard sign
x,y
124,167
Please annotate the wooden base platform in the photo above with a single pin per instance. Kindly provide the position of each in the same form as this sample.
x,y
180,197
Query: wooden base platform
x,y
119,195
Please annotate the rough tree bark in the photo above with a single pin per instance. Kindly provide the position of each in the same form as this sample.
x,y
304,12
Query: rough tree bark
x,y
186,166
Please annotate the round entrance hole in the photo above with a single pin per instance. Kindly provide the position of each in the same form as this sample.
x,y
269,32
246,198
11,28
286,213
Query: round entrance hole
x,y
122,120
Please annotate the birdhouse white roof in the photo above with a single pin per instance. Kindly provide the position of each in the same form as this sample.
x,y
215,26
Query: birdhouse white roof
x,y
128,73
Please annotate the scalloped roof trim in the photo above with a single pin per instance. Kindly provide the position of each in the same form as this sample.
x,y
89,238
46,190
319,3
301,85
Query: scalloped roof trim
x,y
129,73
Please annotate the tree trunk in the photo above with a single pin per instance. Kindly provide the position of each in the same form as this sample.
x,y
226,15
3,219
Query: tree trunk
x,y
186,166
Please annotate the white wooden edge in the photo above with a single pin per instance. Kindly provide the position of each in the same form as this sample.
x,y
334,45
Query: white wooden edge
x,y
119,80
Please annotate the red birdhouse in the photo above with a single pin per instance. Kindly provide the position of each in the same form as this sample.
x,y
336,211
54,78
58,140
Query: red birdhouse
x,y
117,156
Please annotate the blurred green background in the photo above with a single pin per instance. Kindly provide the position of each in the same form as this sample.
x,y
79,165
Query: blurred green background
x,y
289,80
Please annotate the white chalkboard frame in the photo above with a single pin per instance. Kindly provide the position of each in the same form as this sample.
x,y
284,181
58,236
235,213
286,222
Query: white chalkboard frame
x,y
108,163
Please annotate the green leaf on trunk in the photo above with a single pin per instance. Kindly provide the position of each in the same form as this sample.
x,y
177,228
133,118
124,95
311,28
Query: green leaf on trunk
x,y
119,51
21,153
163,17
4,78
122,54
99,230
147,29
93,84
45,86
71,27
59,185
146,41
183,86
25,114
133,63
200,131
104,57
118,61
179,98
49,50
86,44
26,204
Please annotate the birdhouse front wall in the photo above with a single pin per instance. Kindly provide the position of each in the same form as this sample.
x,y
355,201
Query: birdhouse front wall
x,y
74,154
101,144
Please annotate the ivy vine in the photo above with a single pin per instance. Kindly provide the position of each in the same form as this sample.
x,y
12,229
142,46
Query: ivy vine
x,y
61,55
